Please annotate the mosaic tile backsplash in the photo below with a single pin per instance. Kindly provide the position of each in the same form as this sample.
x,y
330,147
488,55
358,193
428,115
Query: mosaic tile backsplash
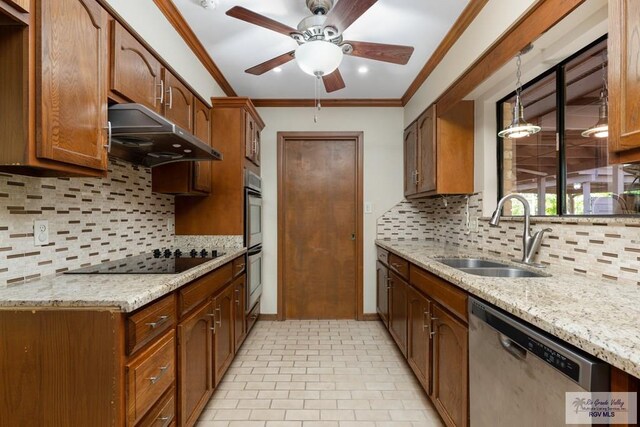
x,y
91,220
607,249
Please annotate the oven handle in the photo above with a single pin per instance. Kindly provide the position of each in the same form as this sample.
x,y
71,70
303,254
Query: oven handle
x,y
254,251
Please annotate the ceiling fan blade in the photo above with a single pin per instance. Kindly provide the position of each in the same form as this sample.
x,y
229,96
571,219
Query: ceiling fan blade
x,y
243,14
271,64
333,81
345,12
396,54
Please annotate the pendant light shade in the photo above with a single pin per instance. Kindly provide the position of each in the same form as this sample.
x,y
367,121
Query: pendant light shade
x,y
318,58
519,127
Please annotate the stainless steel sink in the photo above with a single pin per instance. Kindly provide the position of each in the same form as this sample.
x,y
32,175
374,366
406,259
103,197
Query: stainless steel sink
x,y
469,263
481,267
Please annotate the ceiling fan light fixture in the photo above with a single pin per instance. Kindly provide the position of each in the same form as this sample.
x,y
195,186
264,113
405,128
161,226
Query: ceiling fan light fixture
x,y
318,58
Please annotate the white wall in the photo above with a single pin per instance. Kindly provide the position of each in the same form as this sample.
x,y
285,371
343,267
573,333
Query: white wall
x,y
383,181
149,22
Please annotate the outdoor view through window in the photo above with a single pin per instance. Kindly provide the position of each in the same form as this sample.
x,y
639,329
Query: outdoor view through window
x,y
567,173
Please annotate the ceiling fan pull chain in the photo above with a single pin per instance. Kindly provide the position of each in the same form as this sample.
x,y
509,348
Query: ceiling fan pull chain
x,y
317,105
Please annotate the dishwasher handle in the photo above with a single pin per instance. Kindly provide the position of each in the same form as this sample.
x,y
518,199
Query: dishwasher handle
x,y
511,347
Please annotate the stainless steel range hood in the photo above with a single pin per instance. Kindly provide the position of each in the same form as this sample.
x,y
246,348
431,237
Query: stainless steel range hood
x,y
142,136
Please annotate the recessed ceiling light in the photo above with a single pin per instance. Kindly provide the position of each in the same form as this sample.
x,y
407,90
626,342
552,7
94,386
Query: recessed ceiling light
x,y
277,70
363,70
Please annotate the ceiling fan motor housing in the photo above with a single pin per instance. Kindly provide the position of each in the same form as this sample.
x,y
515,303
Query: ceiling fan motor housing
x,y
313,28
319,7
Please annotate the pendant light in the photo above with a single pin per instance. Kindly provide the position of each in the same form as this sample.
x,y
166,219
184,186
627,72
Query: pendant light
x,y
519,127
601,129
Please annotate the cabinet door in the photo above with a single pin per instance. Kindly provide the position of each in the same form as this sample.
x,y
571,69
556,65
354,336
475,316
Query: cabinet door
x,y
202,130
398,311
178,102
72,108
382,292
135,72
224,344
450,367
410,159
239,318
256,139
624,75
419,341
426,178
195,363
249,135
21,5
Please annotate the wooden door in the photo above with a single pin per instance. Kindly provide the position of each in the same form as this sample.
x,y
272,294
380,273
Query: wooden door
x,y
426,178
320,221
178,102
195,364
624,75
410,159
419,337
450,367
72,68
398,311
382,292
239,319
224,343
135,72
202,130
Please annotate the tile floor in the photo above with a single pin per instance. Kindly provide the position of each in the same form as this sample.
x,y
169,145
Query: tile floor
x,y
319,373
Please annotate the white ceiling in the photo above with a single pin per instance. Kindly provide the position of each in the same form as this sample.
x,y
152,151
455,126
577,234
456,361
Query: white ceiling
x,y
236,45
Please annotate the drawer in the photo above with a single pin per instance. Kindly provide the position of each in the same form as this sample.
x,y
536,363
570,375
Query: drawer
x,y
149,376
202,288
399,265
253,315
383,256
446,294
239,265
163,414
150,322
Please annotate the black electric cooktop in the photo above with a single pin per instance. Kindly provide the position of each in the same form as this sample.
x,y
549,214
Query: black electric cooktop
x,y
156,262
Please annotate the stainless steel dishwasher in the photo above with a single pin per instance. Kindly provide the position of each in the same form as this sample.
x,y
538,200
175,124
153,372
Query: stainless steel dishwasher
x,y
518,374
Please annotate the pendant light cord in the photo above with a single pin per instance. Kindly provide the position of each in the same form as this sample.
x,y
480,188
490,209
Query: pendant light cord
x,y
518,75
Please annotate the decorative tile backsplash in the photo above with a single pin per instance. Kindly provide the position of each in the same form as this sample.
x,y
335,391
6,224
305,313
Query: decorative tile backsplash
x,y
91,220
607,249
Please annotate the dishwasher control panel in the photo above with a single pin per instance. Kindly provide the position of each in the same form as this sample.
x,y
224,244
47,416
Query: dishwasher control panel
x,y
552,357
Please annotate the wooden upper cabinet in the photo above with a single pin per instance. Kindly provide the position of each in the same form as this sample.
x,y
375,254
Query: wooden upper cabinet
x,y
252,139
135,72
178,102
439,152
410,159
450,367
72,109
202,130
426,179
624,80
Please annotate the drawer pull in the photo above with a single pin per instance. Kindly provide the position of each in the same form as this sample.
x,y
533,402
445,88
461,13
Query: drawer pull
x,y
165,420
155,379
396,266
161,320
240,267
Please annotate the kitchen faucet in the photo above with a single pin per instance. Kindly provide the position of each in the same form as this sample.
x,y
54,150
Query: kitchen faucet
x,y
530,243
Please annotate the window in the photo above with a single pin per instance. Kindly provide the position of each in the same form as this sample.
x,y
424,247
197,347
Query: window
x,y
558,170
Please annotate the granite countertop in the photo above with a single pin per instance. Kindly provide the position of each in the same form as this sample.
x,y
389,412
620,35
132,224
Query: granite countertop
x,y
122,292
599,317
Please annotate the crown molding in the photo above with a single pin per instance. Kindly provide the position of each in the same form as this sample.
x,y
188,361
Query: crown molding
x,y
382,102
466,17
170,11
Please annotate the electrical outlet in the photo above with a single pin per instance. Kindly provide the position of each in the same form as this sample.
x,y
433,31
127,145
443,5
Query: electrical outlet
x,y
40,232
473,224
170,225
368,207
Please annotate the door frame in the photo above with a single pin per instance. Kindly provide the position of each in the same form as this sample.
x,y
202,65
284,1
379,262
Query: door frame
x,y
358,137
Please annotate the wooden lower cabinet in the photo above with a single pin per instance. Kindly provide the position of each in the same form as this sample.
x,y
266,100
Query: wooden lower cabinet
x,y
398,311
382,292
224,342
195,359
239,319
450,367
419,337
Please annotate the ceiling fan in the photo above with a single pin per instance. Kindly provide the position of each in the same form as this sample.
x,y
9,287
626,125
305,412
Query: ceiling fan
x,y
320,42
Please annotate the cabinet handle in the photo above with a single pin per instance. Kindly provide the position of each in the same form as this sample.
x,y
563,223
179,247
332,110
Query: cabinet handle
x,y
431,329
417,177
219,322
160,321
426,325
396,266
165,420
169,104
257,147
160,99
213,329
155,379
109,133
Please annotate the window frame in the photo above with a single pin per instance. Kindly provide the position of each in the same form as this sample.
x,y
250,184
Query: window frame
x,y
561,166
